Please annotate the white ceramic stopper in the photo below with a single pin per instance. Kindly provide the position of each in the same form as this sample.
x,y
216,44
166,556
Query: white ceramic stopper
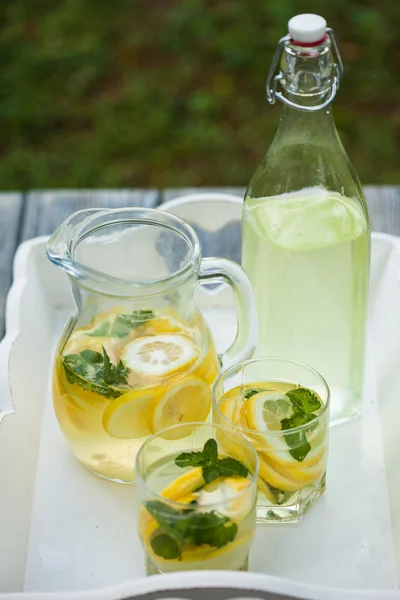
x,y
307,28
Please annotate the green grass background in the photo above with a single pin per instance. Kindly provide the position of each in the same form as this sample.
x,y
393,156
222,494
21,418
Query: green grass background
x,y
117,93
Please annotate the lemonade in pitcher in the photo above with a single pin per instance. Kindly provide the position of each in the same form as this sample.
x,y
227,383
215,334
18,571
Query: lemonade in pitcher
x,y
126,376
137,355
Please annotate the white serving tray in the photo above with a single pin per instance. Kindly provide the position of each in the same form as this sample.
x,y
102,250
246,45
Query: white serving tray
x,y
64,530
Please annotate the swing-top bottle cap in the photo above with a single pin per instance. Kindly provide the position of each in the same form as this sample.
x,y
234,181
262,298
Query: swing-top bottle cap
x,y
307,29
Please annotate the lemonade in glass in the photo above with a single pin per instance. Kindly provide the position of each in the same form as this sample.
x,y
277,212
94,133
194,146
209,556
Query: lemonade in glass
x,y
196,502
282,408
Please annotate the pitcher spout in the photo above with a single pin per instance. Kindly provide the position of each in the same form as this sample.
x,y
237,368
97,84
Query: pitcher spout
x,y
61,245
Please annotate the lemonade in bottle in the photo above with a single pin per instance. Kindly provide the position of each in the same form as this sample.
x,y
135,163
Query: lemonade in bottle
x,y
306,235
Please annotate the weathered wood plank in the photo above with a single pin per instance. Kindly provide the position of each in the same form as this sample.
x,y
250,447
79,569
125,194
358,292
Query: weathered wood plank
x,y
384,208
10,219
45,210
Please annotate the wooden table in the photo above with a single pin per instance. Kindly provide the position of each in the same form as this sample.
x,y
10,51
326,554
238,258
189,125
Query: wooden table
x,y
23,216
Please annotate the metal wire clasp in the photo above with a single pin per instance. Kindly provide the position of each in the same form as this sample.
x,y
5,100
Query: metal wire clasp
x,y
272,81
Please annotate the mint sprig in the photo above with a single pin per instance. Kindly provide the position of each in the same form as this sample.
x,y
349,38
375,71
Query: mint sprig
x,y
95,372
212,466
304,403
182,527
120,325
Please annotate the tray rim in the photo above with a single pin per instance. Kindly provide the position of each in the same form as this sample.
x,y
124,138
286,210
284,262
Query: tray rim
x,y
157,583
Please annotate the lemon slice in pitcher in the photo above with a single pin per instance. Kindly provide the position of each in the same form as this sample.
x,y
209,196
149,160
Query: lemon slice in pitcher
x,y
160,355
129,416
186,401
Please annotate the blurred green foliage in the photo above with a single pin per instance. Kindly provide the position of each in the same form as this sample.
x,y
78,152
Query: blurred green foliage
x,y
114,93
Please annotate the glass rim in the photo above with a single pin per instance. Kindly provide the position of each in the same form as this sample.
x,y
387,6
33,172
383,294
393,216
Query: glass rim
x,y
269,359
63,243
211,506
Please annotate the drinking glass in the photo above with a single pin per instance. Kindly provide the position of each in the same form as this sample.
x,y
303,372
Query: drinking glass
x,y
197,488
282,408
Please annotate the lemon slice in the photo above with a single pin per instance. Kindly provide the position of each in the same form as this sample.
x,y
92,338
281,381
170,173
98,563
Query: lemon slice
x,y
187,400
159,355
305,474
263,487
129,416
162,324
209,366
276,479
264,411
205,552
226,491
231,407
180,488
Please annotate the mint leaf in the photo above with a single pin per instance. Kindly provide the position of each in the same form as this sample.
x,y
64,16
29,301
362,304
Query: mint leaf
x,y
212,466
297,420
298,444
114,375
210,473
170,520
207,456
210,451
227,467
304,400
120,325
103,330
95,372
252,392
188,527
165,546
72,375
92,357
211,528
190,459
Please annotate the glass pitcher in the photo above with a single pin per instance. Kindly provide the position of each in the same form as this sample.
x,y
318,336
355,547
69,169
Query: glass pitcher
x,y
137,356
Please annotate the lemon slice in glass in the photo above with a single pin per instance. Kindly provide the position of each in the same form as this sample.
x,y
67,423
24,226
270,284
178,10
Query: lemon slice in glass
x,y
159,355
184,485
130,415
264,411
185,401
227,492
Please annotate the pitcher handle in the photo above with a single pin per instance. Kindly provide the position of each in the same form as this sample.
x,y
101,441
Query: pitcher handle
x,y
221,270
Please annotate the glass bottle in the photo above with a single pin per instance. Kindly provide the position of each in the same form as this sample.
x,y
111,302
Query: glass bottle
x,y
306,235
